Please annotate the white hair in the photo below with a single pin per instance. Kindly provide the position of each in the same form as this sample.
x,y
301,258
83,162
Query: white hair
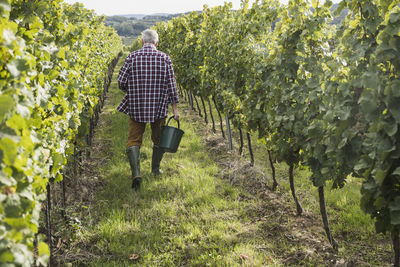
x,y
150,37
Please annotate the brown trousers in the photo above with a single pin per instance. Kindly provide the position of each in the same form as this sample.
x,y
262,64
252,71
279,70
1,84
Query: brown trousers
x,y
136,131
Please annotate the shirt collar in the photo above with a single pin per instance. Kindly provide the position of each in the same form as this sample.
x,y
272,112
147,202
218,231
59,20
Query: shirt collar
x,y
151,46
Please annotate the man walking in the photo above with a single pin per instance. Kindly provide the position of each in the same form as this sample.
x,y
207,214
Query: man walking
x,y
148,79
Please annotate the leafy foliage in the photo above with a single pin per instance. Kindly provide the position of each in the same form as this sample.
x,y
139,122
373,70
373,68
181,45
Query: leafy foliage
x,y
54,59
320,96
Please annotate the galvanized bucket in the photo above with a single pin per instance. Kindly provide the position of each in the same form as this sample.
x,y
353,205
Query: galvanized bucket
x,y
170,137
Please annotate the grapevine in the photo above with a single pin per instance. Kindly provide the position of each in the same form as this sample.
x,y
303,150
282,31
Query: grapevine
x,y
319,96
55,59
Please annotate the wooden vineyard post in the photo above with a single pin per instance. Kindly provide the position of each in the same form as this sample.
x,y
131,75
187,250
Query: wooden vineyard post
x,y
205,111
191,100
275,184
211,115
322,207
198,107
241,141
220,119
180,91
48,220
87,139
396,247
75,163
291,180
250,149
35,245
63,202
228,129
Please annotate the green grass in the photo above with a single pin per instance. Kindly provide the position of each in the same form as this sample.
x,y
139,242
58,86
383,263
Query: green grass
x,y
192,217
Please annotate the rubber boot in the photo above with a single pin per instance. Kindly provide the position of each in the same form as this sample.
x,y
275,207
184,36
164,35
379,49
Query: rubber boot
x,y
134,160
158,153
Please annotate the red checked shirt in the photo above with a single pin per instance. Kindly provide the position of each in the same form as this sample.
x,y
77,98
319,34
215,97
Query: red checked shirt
x,y
148,79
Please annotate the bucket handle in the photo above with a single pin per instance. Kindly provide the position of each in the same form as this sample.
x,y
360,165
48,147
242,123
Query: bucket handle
x,y
170,120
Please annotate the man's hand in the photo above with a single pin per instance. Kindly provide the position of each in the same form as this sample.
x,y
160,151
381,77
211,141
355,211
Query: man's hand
x,y
175,111
176,115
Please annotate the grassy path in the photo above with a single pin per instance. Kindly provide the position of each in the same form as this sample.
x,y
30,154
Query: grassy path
x,y
192,215
186,217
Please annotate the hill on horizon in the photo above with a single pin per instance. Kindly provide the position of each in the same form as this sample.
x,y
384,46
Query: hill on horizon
x,y
141,16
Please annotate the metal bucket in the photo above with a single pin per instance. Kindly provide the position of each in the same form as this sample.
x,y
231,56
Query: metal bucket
x,y
170,137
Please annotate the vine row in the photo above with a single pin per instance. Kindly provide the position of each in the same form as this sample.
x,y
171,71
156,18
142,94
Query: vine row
x,y
54,66
318,95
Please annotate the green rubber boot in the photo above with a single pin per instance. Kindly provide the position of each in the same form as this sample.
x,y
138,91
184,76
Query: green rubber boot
x,y
158,153
134,160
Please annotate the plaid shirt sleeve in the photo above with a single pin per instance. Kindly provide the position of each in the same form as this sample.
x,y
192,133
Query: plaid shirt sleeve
x,y
171,83
124,73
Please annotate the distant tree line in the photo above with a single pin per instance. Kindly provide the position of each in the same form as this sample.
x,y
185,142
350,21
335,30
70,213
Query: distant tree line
x,y
133,25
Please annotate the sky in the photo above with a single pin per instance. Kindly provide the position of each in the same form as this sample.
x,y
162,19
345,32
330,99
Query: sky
x,y
147,7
